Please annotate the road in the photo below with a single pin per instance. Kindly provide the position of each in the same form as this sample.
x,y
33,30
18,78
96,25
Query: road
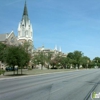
x,y
76,85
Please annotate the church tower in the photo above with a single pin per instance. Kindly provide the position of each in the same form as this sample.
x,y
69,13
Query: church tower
x,y
25,31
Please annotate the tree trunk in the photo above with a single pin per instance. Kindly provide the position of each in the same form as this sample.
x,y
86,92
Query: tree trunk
x,y
41,67
17,71
53,66
48,66
13,70
21,71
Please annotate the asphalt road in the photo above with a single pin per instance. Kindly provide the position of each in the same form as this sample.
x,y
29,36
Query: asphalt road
x,y
76,85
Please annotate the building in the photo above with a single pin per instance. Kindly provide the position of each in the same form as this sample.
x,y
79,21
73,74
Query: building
x,y
25,35
25,31
54,51
9,38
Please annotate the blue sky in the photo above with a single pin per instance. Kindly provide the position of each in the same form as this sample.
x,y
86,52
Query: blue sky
x,y
69,24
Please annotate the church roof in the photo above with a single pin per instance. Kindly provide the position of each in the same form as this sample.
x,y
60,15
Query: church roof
x,y
3,36
25,15
25,10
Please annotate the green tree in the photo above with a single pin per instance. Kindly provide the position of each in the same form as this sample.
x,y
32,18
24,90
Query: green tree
x,y
48,58
96,61
85,61
27,46
77,57
74,58
71,60
2,52
63,61
40,58
70,55
17,56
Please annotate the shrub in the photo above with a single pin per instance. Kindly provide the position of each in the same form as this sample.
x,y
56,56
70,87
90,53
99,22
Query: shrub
x,y
2,71
29,68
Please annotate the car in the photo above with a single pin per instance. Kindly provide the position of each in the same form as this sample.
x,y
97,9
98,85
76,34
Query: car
x,y
11,69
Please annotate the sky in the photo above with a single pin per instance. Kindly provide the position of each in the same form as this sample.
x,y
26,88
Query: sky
x,y
69,24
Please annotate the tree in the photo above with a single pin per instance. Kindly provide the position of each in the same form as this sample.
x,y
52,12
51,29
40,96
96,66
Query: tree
x,y
40,58
27,46
70,55
77,57
96,61
85,61
2,51
74,57
63,61
71,59
48,58
17,56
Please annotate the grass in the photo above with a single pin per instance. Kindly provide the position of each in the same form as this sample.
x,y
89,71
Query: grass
x,y
38,71
35,72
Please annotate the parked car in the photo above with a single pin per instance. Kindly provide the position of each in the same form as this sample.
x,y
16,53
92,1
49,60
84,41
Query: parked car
x,y
10,69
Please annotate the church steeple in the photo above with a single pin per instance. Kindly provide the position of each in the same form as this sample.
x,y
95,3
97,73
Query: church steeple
x,y
25,31
25,10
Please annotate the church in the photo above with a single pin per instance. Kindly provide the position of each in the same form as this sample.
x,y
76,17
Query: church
x,y
25,33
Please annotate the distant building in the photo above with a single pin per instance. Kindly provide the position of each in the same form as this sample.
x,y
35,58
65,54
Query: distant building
x,y
55,51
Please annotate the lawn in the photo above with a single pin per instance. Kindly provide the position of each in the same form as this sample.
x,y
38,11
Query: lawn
x,y
37,71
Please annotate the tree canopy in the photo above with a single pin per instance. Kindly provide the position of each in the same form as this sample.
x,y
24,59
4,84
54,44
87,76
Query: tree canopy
x,y
14,55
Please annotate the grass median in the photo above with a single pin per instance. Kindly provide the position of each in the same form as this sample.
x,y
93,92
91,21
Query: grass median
x,y
34,72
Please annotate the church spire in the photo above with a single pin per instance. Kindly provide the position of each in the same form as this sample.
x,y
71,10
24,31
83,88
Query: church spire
x,y
25,10
25,31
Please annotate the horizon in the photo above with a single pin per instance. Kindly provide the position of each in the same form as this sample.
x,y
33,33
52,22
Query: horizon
x,y
71,25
